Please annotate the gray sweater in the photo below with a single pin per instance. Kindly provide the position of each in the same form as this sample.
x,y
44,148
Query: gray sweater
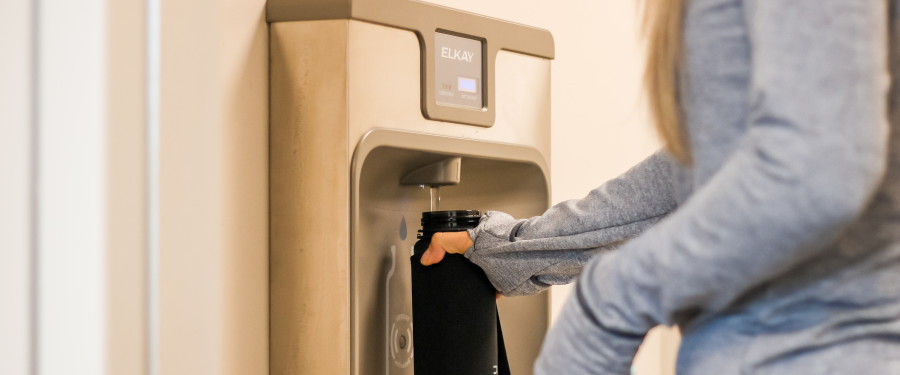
x,y
778,250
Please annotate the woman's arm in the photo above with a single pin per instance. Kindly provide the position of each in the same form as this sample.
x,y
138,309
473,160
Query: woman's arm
x,y
814,153
525,256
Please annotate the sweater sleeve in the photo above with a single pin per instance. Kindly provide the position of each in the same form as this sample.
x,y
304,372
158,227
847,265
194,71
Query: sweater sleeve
x,y
813,155
527,255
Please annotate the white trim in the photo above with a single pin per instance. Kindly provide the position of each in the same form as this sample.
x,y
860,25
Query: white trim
x,y
153,157
71,194
16,190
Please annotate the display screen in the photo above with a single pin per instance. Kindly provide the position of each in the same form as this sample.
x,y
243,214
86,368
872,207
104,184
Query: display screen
x,y
458,71
468,85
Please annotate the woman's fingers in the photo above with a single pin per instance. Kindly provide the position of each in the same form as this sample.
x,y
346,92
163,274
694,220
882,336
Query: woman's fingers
x,y
432,255
443,243
454,242
435,252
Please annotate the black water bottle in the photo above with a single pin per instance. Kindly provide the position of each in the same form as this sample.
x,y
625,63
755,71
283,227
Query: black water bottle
x,y
456,329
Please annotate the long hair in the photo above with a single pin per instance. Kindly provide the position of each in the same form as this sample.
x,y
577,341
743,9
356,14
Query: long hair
x,y
664,33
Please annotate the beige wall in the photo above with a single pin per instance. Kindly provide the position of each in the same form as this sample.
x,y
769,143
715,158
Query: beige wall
x,y
126,187
213,188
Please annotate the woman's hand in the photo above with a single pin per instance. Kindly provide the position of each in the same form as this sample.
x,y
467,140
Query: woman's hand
x,y
443,243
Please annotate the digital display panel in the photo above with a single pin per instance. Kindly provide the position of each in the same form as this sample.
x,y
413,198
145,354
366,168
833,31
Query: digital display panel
x,y
467,85
458,71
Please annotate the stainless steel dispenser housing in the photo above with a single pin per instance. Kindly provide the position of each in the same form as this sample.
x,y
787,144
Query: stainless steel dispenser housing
x,y
357,106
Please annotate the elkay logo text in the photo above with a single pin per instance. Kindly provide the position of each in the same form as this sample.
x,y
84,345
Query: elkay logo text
x,y
456,54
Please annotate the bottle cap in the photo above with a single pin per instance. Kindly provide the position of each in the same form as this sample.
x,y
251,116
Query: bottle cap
x,y
448,221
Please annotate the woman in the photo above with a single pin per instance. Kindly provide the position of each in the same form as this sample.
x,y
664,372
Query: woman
x,y
768,230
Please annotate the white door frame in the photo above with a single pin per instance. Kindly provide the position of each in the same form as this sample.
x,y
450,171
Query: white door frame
x,y
73,156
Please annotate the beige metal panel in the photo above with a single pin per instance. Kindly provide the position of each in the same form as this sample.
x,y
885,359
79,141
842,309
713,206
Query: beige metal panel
x,y
425,20
384,91
421,17
332,83
523,101
309,199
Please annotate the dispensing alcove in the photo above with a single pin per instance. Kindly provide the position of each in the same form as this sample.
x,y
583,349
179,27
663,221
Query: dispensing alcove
x,y
386,214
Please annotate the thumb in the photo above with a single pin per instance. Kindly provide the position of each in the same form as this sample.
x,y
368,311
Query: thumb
x,y
434,254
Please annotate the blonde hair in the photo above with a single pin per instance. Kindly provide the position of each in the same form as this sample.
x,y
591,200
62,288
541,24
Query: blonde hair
x,y
664,33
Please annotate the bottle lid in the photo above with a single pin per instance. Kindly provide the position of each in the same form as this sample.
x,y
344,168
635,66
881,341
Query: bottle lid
x,y
448,221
